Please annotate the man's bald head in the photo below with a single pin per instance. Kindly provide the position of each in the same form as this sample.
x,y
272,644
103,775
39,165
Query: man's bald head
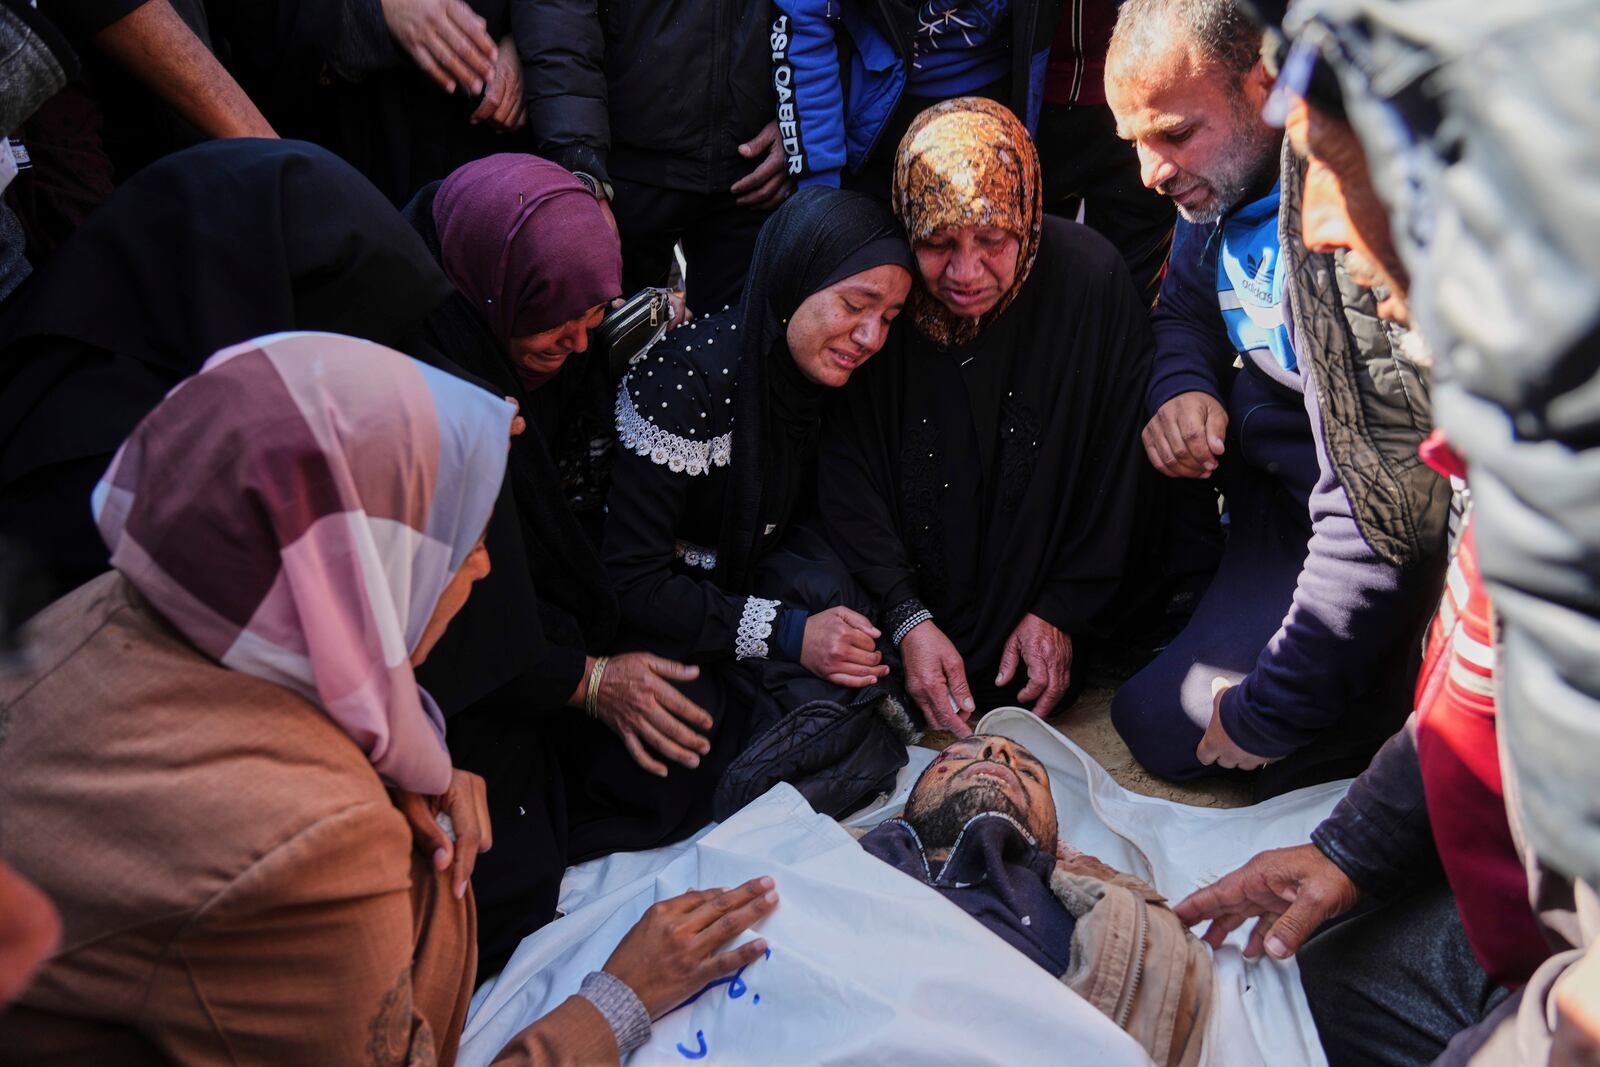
x,y
1186,83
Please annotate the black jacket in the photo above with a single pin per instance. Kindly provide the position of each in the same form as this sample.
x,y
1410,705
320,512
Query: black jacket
x,y
661,92
1379,834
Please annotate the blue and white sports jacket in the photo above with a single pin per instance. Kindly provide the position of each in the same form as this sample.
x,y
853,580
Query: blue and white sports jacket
x,y
840,68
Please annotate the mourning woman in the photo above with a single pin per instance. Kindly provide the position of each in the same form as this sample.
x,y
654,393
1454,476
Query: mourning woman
x,y
535,266
718,430
982,476
221,769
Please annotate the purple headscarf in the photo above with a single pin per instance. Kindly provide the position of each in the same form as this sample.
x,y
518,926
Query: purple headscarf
x,y
526,243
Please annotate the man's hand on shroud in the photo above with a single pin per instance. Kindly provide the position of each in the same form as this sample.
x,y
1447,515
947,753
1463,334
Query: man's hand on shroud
x,y
1289,891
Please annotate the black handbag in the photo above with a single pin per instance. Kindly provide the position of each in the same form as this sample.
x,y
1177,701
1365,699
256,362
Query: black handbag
x,y
627,333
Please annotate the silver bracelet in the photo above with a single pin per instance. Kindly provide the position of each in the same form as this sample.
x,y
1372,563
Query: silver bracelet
x,y
621,1007
911,623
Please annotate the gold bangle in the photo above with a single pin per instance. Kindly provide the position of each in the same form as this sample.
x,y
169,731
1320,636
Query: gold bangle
x,y
591,696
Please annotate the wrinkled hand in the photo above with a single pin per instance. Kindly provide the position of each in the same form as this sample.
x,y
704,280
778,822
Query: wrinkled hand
x,y
1186,436
1047,653
671,952
1216,747
935,674
1289,891
840,646
446,38
768,185
1577,997
503,106
639,702
466,802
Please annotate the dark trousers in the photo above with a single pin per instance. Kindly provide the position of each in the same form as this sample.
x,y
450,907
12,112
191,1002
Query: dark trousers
x,y
1162,712
719,238
1083,161
1392,986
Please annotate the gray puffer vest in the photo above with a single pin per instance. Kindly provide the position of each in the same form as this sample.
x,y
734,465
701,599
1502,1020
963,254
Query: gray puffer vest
x,y
1375,404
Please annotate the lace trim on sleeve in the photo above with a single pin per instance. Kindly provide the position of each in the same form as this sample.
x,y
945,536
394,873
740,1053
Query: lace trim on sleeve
x,y
681,455
755,626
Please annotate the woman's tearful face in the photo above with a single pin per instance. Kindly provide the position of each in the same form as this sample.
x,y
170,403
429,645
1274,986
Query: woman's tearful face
x,y
546,352
968,268
837,329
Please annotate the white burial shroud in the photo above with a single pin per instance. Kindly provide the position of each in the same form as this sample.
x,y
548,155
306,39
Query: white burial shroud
x,y
869,967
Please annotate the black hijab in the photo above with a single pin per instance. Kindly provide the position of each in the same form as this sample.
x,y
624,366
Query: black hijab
x,y
230,240
818,237
205,248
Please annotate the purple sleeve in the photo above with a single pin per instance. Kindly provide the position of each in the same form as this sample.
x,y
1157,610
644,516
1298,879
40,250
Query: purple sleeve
x,y
1192,347
1349,610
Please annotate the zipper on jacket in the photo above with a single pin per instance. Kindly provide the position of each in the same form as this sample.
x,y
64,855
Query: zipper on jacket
x,y
1130,987
906,50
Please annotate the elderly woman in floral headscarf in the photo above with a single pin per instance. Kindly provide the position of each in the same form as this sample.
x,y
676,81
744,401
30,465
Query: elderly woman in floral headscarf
x,y
982,477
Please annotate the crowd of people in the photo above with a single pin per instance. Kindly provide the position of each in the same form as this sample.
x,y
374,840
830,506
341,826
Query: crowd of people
x,y
1236,354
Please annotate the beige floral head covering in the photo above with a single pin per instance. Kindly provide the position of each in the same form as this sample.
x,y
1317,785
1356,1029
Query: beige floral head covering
x,y
967,162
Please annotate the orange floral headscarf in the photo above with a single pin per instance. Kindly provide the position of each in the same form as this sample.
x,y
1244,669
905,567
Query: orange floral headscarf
x,y
967,162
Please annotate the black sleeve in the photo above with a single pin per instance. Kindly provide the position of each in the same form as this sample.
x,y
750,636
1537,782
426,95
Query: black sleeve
x,y
855,490
695,619
564,80
1091,566
1379,835
82,19
554,676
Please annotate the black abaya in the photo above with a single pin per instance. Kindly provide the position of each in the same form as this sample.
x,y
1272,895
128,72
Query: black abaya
x,y
206,248
1003,476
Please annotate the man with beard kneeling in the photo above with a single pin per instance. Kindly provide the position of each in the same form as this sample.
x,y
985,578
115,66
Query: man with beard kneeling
x,y
980,828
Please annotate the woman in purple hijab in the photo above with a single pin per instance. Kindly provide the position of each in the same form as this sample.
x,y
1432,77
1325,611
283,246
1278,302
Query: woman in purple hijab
x,y
535,265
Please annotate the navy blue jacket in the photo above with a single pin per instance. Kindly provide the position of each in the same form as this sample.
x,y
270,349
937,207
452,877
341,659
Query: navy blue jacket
x,y
996,875
1350,606
840,70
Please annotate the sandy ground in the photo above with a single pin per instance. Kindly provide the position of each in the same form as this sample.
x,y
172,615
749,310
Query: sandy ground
x,y
1088,723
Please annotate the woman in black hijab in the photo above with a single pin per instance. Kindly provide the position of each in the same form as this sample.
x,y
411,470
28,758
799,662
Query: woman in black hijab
x,y
718,429
208,247
983,479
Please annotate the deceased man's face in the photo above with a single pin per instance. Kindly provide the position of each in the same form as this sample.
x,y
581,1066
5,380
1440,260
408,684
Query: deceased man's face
x,y
977,774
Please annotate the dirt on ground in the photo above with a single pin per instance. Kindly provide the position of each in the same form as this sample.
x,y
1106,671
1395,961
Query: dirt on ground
x,y
1088,724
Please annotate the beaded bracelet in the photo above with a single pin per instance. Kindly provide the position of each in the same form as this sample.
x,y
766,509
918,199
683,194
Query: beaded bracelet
x,y
910,624
591,697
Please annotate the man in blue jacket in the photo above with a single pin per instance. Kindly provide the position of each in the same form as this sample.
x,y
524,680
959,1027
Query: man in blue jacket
x,y
1302,653
850,75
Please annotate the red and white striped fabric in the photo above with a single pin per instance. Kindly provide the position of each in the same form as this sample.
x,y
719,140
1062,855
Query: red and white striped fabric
x,y
1460,762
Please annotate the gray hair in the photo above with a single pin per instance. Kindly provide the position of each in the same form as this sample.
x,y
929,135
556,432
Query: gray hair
x,y
1217,29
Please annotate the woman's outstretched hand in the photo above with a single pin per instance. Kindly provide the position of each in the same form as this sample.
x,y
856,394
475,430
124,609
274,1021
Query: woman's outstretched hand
x,y
937,679
672,951
639,701
841,646
465,803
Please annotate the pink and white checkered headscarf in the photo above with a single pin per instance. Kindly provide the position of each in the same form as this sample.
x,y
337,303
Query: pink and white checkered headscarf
x,y
296,510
